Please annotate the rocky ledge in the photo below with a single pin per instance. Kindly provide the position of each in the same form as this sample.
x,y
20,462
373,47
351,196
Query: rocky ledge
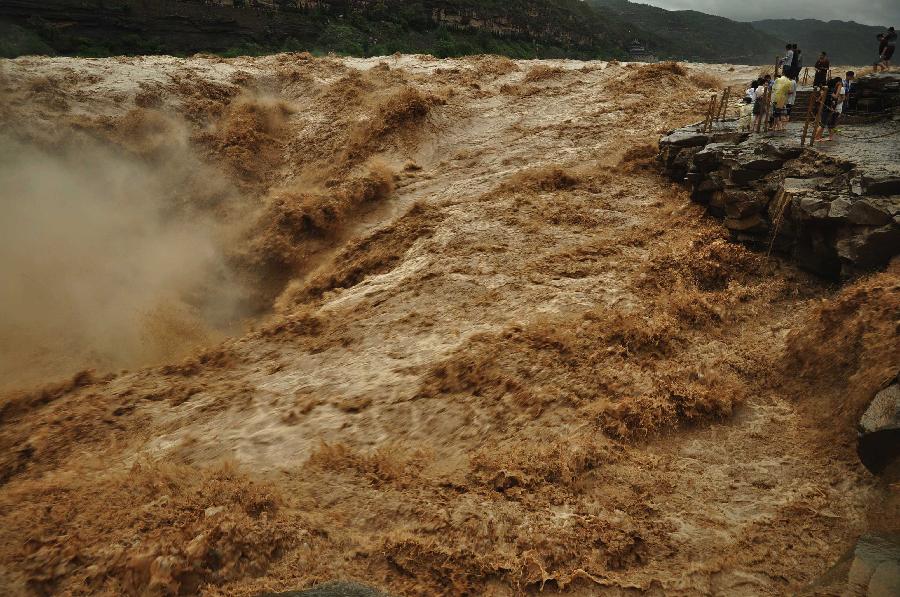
x,y
834,208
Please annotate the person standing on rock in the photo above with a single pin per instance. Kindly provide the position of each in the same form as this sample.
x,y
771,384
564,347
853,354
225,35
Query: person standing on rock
x,y
759,106
822,66
849,82
794,68
889,40
792,97
751,90
828,118
780,92
882,44
787,60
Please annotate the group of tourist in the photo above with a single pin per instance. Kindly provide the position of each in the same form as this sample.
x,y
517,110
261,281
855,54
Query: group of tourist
x,y
775,98
778,95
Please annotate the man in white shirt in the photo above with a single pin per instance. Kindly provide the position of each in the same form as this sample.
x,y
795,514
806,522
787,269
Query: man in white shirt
x,y
787,60
792,97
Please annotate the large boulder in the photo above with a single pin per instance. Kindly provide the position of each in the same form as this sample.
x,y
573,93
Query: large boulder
x,y
875,567
879,430
870,569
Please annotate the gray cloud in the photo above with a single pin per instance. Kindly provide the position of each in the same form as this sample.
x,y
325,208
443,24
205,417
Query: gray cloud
x,y
870,12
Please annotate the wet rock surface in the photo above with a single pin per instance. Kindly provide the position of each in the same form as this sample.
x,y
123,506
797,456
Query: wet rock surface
x,y
834,208
879,430
870,569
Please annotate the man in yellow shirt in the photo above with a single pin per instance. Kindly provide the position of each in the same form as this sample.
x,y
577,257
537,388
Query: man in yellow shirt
x,y
780,92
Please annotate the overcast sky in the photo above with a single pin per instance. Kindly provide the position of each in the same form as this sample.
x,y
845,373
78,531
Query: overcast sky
x,y
870,12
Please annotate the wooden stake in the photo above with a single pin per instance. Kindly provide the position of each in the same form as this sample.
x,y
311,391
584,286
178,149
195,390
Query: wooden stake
x,y
813,98
723,107
710,108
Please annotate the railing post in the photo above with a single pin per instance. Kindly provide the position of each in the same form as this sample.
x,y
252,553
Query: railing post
x,y
710,110
723,107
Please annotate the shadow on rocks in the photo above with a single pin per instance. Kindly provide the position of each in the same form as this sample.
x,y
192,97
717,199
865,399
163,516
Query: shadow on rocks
x,y
332,589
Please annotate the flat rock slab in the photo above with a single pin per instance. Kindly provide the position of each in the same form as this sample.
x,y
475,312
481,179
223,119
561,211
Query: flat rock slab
x,y
685,138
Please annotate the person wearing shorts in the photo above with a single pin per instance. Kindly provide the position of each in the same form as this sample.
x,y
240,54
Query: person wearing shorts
x,y
759,106
831,109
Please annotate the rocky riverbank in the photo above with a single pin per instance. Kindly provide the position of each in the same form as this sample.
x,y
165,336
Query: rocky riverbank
x,y
834,208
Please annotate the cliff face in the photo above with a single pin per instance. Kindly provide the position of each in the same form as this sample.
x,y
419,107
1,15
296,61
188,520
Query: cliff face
x,y
215,25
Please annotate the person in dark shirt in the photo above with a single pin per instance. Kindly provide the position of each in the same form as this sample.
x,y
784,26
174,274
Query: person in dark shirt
x,y
822,66
831,109
795,62
849,91
886,48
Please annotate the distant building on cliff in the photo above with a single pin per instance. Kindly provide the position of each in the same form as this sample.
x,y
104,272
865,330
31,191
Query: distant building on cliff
x,y
638,53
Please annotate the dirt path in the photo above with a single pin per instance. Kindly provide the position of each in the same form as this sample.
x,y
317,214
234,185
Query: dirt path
x,y
534,365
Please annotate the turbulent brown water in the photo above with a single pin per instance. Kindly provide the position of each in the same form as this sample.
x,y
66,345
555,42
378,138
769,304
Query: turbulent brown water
x,y
436,325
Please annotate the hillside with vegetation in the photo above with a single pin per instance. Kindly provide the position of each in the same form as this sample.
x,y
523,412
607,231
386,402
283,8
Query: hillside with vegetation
x,y
697,36
846,42
516,28
444,28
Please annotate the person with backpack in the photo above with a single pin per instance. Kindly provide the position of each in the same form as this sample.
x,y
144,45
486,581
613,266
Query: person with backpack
x,y
759,103
831,109
750,92
849,82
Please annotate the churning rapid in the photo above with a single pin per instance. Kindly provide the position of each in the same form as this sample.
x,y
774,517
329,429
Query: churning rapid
x,y
436,325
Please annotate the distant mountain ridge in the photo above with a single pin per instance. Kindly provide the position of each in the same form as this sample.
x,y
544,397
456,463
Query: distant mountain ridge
x,y
845,41
697,36
520,28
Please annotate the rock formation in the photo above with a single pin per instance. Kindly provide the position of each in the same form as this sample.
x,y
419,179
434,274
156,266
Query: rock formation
x,y
879,430
834,208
